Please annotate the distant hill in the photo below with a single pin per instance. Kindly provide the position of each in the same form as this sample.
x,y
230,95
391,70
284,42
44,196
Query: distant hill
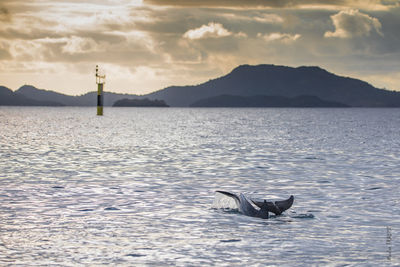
x,y
45,95
271,80
265,101
9,98
245,81
139,103
88,99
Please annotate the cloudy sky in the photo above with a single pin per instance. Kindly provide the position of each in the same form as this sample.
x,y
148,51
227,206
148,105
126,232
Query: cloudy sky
x,y
146,45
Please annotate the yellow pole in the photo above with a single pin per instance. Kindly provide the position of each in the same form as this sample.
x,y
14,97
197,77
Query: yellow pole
x,y
100,99
100,79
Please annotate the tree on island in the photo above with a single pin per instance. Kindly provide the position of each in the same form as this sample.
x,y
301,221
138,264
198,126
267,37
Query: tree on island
x,y
140,103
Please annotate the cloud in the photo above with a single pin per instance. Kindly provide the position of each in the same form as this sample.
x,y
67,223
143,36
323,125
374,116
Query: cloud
x,y
211,30
4,14
321,4
257,17
352,23
147,47
282,37
268,18
223,3
4,54
76,45
76,32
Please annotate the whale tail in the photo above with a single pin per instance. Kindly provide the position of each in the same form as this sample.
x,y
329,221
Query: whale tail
x,y
285,204
276,207
264,206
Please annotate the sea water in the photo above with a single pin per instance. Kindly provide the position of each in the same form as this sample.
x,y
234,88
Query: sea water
x,y
137,186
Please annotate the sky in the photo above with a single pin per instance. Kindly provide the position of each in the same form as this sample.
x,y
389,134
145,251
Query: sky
x,y
146,45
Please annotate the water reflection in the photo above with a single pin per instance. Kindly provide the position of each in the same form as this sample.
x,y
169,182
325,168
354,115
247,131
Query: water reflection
x,y
132,188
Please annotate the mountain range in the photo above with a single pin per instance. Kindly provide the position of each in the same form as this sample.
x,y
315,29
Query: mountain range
x,y
245,84
9,98
303,101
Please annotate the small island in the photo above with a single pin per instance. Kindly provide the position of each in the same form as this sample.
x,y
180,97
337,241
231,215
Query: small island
x,y
140,103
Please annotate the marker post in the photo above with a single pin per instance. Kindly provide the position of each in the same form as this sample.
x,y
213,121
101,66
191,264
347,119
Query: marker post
x,y
100,80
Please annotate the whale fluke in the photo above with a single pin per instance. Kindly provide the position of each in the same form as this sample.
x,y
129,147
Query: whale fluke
x,y
276,207
247,208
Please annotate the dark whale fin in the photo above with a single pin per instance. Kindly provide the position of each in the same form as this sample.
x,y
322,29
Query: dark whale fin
x,y
276,207
285,204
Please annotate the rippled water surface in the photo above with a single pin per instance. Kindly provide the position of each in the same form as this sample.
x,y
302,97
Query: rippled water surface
x,y
137,186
